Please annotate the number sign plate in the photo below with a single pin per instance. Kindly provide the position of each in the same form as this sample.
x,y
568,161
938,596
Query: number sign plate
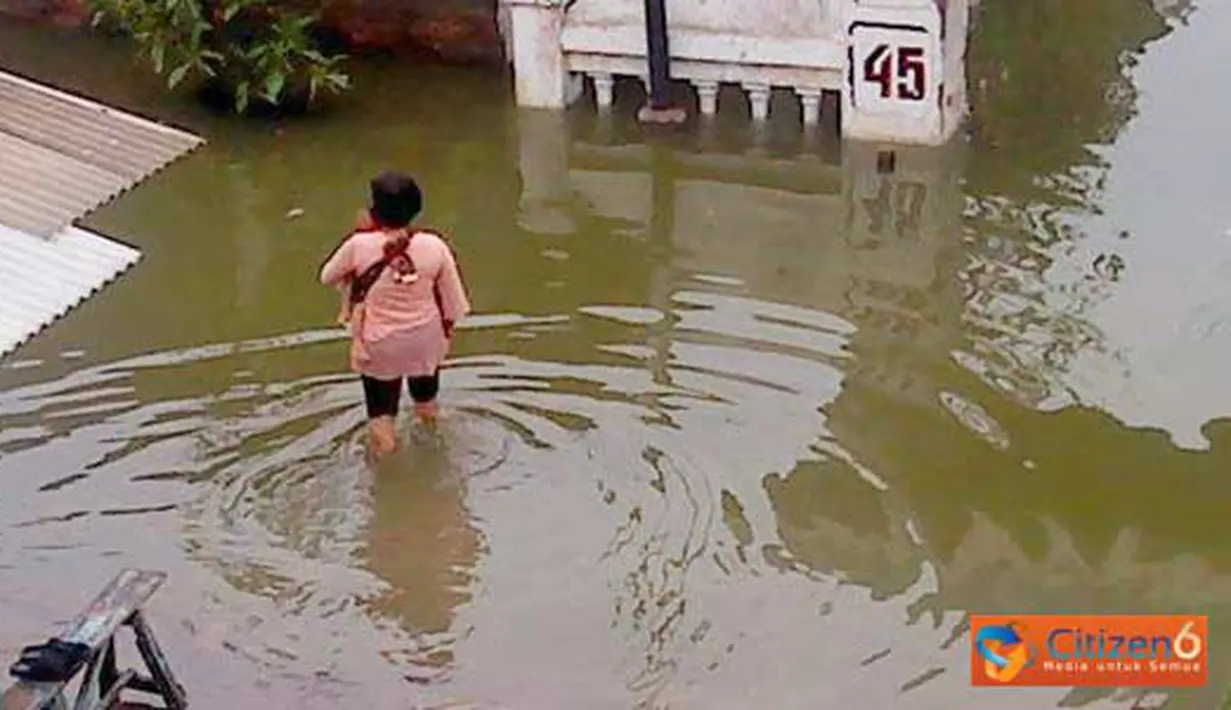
x,y
893,70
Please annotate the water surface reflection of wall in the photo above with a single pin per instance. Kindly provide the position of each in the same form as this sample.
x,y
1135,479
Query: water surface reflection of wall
x,y
984,503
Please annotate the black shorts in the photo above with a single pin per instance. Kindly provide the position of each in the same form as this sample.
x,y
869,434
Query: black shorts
x,y
383,396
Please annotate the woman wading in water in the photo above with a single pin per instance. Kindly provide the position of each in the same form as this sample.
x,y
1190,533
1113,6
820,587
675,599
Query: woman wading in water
x,y
405,295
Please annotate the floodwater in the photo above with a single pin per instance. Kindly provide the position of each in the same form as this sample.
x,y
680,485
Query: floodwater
x,y
740,422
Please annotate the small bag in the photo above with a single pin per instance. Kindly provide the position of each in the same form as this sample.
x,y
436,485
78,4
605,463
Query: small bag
x,y
55,661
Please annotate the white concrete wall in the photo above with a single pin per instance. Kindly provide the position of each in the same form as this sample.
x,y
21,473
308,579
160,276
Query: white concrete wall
x,y
956,43
774,19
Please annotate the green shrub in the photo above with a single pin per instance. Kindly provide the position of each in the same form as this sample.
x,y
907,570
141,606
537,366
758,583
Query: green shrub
x,y
253,51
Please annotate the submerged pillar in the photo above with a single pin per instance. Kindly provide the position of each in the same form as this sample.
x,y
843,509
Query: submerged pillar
x,y
542,138
907,79
541,79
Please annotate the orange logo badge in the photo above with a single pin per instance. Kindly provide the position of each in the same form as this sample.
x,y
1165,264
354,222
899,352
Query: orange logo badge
x,y
1089,650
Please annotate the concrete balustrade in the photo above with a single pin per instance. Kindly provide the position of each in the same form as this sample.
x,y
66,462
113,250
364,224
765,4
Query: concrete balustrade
x,y
604,89
707,96
906,83
706,90
758,100
810,100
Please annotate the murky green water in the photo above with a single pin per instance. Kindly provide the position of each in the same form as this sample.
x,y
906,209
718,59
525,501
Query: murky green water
x,y
740,422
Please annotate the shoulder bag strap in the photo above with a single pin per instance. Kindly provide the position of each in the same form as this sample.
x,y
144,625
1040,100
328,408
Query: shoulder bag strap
x,y
367,279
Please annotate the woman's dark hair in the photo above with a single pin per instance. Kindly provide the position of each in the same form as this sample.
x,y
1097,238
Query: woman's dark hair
x,y
396,199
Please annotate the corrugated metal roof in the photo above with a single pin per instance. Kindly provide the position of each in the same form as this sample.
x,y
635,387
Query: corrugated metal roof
x,y
42,279
62,156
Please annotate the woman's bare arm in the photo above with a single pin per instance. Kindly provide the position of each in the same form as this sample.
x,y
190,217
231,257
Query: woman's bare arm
x,y
340,266
451,291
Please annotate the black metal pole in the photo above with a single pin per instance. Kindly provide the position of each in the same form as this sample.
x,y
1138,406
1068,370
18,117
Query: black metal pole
x,y
659,56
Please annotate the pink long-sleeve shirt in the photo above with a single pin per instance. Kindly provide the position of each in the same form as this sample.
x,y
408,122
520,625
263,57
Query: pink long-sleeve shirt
x,y
397,309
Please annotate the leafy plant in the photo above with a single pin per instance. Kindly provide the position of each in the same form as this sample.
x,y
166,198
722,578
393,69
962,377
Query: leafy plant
x,y
254,50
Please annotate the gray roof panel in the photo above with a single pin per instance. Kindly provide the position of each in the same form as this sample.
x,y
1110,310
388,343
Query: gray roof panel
x,y
62,156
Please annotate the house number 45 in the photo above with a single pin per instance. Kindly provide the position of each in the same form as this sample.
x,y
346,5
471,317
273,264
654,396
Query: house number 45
x,y
911,72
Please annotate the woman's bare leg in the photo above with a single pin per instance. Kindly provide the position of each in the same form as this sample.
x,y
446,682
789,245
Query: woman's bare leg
x,y
382,436
427,412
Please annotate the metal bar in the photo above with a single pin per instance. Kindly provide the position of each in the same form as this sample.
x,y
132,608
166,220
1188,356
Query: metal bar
x,y
91,686
172,694
658,54
144,684
113,691
110,673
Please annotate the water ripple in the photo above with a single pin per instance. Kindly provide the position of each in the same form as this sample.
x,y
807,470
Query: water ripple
x,y
633,508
